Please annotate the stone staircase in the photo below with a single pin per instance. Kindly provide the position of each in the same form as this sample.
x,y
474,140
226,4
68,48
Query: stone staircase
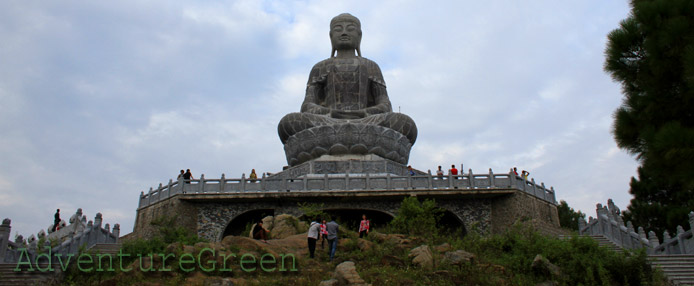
x,y
678,268
9,277
106,248
602,241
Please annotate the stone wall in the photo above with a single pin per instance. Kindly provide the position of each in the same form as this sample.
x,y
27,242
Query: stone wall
x,y
185,212
209,218
524,207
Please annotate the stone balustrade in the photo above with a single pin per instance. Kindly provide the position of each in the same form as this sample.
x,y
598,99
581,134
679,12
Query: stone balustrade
x,y
346,182
91,234
609,224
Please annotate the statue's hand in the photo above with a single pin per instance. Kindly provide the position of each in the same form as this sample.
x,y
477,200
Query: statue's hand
x,y
347,114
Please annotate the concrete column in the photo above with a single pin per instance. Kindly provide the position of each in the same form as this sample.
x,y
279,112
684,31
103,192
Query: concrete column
x,y
222,183
116,232
5,231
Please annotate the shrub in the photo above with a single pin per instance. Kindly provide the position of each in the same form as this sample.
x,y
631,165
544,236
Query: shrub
x,y
417,218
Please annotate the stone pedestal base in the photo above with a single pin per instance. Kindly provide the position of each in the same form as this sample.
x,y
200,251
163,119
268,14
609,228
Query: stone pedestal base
x,y
342,164
347,138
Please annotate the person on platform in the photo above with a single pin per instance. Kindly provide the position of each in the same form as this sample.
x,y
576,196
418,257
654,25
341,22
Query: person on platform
x,y
180,175
525,174
187,176
453,171
253,176
56,219
439,173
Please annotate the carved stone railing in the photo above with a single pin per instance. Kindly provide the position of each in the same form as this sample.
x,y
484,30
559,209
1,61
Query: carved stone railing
x,y
609,224
93,233
346,182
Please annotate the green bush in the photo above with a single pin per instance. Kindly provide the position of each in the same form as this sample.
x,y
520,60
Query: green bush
x,y
582,261
417,218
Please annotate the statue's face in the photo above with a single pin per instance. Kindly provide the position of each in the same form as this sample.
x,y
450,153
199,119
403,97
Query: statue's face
x,y
345,35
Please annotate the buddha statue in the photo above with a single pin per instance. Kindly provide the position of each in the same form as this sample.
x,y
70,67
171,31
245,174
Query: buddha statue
x,y
346,109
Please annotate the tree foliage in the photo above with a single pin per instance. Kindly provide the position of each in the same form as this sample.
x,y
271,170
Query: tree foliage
x,y
568,217
417,218
652,55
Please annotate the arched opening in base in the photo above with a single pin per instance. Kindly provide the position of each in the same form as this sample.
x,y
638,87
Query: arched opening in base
x,y
451,224
240,225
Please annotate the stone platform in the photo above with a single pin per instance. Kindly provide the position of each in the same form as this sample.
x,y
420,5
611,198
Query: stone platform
x,y
345,164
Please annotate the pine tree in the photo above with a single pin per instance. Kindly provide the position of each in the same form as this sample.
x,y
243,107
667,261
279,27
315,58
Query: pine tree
x,y
652,55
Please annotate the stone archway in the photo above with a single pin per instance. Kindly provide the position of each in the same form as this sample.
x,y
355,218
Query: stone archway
x,y
450,223
238,225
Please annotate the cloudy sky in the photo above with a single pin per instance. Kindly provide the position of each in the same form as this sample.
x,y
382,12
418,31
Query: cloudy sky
x,y
100,100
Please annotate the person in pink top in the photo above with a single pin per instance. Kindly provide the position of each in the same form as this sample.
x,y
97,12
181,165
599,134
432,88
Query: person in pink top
x,y
323,233
363,226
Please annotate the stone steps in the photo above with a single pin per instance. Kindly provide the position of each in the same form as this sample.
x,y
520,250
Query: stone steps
x,y
602,241
106,248
678,268
9,277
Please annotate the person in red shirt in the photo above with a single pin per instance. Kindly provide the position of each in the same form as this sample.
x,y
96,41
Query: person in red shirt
x,y
453,171
363,226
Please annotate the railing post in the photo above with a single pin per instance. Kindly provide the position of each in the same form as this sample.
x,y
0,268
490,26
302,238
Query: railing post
x,y
5,230
368,183
554,197
581,225
450,180
116,232
326,184
512,179
168,187
643,240
182,185
491,179
201,183
262,183
691,222
471,178
653,240
222,183
534,188
305,179
243,182
149,196
409,182
142,199
388,184
667,241
430,180
680,240
544,191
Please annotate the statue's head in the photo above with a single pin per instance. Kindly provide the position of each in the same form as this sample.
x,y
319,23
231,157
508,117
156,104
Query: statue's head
x,y
345,33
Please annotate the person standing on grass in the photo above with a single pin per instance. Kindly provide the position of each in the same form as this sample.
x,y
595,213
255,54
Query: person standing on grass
x,y
363,226
323,234
313,235
332,228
